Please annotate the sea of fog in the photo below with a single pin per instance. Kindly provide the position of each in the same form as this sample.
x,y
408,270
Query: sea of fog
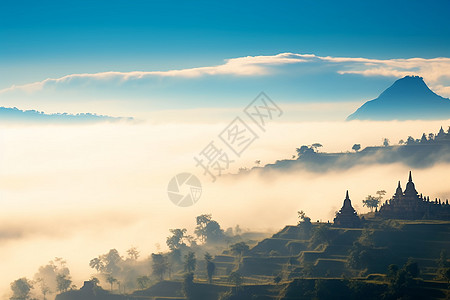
x,y
76,191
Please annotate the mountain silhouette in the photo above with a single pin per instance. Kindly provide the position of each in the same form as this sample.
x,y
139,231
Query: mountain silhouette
x,y
408,98
13,115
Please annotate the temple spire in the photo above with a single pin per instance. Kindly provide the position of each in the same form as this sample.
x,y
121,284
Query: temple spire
x,y
410,177
399,186
346,196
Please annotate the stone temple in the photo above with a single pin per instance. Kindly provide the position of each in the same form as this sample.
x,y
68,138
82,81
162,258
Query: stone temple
x,y
409,205
347,216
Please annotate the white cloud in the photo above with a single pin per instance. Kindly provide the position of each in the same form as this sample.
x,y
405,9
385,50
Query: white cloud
x,y
241,66
435,71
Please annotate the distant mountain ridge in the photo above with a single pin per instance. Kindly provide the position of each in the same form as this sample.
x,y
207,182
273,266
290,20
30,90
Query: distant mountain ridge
x,y
408,98
14,115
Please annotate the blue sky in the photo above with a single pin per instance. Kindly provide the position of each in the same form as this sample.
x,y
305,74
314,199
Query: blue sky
x,y
52,39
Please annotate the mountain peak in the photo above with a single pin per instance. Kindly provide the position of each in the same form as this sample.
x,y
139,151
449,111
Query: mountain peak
x,y
408,98
411,87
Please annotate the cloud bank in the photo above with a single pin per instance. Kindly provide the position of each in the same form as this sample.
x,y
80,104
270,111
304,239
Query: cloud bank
x,y
436,71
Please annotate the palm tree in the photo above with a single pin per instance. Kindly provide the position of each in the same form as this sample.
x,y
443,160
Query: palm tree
x,y
97,263
111,280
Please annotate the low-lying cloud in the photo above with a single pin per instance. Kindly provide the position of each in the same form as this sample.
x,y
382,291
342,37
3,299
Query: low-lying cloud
x,y
77,191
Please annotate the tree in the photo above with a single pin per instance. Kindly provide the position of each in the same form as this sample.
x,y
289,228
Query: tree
x,y
443,265
210,266
190,262
21,289
371,202
200,230
133,253
111,261
239,248
46,276
188,285
381,194
303,218
95,281
159,265
111,280
207,229
410,140
303,150
213,232
356,147
321,234
143,282
176,241
401,142
45,289
258,162
386,142
236,279
97,263
315,146
63,282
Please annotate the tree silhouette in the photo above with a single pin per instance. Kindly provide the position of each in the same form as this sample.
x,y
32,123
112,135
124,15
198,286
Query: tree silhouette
x,y
200,229
371,202
97,263
239,249
21,289
176,241
63,282
303,150
303,218
381,195
386,142
143,282
45,289
236,279
133,253
356,147
159,265
190,262
111,280
188,286
108,263
210,266
315,146
95,281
